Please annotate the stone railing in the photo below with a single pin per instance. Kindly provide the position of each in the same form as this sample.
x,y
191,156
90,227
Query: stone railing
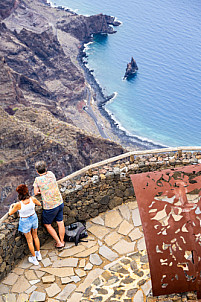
x,y
92,190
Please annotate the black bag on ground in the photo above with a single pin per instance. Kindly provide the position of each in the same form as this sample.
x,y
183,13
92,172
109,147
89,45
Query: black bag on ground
x,y
75,232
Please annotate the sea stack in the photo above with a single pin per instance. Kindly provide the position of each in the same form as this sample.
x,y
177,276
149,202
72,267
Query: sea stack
x,y
131,69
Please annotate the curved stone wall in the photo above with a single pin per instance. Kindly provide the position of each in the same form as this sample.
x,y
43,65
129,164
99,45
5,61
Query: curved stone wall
x,y
88,194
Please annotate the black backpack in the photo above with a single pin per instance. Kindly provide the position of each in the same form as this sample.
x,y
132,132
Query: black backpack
x,y
75,232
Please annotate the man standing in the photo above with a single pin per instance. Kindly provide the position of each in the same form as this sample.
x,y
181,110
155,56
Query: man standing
x,y
46,185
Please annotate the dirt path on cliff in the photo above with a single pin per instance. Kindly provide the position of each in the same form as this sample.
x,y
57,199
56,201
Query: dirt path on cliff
x,y
91,113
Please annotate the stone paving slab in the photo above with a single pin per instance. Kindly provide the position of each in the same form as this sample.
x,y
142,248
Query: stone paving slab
x,y
37,296
89,279
59,272
32,282
31,289
53,290
46,262
112,238
48,279
11,279
75,279
66,280
24,264
9,298
23,298
124,247
18,271
21,285
30,275
113,219
98,220
80,272
99,231
75,297
107,253
72,251
72,262
95,259
125,228
63,296
125,211
88,252
82,263
40,274
88,244
136,217
88,267
135,234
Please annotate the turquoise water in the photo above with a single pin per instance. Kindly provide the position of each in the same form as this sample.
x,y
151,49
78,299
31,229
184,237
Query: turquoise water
x,y
162,102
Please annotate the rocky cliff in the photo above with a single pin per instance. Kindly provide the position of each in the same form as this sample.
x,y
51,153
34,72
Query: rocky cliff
x,y
32,135
131,69
42,93
7,7
40,53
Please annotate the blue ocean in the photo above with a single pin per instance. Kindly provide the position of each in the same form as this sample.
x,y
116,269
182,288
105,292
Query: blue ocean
x,y
162,103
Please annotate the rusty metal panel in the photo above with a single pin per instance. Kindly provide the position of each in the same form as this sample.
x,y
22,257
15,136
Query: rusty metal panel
x,y
170,208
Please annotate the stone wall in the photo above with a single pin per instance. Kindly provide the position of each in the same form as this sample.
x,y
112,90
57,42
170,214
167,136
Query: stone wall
x,y
13,245
87,195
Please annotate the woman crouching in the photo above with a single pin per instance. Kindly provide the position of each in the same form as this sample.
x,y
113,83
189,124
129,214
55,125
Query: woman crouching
x,y
28,223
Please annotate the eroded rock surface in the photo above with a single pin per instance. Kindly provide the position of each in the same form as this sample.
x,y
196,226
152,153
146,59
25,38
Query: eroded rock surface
x,y
32,134
131,69
43,91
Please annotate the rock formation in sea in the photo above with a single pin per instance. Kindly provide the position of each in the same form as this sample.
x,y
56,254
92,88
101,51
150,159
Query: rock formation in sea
x,y
131,69
42,92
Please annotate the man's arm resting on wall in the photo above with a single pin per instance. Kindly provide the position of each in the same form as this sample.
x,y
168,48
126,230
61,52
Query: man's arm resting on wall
x,y
36,189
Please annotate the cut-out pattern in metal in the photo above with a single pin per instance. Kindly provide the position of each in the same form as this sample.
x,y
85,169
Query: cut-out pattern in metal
x,y
169,202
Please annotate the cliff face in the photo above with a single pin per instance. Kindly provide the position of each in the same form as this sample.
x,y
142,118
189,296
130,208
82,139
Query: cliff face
x,y
40,71
31,135
82,27
42,92
39,46
7,7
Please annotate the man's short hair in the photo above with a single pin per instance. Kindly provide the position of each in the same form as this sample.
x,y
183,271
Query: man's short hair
x,y
41,167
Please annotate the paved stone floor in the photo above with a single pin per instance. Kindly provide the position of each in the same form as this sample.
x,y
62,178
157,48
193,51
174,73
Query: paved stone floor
x,y
111,266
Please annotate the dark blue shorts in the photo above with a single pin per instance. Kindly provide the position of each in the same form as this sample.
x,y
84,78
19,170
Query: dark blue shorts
x,y
51,215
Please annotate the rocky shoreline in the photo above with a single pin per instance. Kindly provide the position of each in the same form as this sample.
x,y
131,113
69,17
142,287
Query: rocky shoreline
x,y
120,135
128,141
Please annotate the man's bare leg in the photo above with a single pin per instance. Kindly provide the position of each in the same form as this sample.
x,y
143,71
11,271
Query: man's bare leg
x,y
61,228
54,235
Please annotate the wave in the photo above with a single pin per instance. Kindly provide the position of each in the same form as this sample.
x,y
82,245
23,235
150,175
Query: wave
x,y
74,11
105,99
144,140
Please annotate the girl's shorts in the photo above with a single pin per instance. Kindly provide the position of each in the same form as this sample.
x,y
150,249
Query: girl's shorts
x,y
26,224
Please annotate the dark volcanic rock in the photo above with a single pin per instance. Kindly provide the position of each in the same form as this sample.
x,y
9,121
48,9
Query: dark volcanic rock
x,y
40,71
83,27
111,20
7,7
131,69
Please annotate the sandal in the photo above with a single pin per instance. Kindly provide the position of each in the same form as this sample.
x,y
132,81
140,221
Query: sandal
x,y
59,248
